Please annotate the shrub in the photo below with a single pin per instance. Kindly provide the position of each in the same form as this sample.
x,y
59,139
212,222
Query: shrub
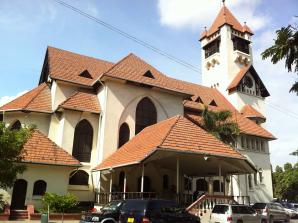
x,y
59,203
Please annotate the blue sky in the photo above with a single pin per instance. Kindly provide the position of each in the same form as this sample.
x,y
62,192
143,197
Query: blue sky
x,y
28,27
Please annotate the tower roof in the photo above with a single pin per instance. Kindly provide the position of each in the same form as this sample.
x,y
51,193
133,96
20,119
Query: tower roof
x,y
225,16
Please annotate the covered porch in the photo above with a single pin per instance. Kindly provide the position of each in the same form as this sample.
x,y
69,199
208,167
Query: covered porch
x,y
167,170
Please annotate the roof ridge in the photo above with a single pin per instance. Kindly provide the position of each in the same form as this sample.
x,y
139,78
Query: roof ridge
x,y
30,101
71,96
112,67
178,117
78,54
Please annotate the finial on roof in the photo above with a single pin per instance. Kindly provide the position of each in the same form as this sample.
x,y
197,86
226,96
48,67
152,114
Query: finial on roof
x,y
245,23
205,27
223,2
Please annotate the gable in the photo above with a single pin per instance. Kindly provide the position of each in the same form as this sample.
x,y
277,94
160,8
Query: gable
x,y
238,82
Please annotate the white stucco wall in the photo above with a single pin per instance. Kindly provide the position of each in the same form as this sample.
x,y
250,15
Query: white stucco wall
x,y
56,178
40,120
120,106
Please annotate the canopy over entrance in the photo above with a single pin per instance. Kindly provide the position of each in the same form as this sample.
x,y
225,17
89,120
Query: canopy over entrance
x,y
199,152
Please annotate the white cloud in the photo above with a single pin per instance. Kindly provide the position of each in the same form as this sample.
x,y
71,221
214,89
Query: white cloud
x,y
6,99
282,107
199,13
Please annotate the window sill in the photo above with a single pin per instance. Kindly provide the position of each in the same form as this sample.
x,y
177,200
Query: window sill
x,y
79,187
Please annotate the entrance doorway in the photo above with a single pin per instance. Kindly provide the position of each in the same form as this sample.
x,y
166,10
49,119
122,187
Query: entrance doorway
x,y
19,195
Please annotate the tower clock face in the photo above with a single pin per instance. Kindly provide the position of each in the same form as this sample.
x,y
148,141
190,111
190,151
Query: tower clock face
x,y
248,82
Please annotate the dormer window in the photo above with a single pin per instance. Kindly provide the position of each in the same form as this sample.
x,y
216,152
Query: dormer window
x,y
213,103
85,74
148,74
248,82
212,48
240,44
199,100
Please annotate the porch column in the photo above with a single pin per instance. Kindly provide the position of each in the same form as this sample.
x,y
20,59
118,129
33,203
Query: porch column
x,y
111,184
142,180
177,178
219,174
124,186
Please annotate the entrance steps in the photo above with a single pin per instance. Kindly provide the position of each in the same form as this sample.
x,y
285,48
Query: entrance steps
x,y
18,215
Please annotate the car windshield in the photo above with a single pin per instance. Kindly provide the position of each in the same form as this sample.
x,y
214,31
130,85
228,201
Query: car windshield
x,y
259,206
134,205
112,206
220,209
242,210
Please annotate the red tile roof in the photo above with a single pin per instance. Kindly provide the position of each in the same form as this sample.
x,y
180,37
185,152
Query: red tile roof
x,y
39,149
133,68
225,16
38,100
238,77
174,134
67,66
82,101
249,112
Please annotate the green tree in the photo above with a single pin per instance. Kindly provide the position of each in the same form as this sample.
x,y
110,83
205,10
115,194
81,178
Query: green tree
x,y
11,146
285,182
220,124
295,153
285,48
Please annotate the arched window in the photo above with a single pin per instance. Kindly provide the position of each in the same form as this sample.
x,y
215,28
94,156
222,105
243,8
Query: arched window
x,y
216,186
16,125
165,181
201,185
123,134
39,187
79,177
249,181
145,114
82,144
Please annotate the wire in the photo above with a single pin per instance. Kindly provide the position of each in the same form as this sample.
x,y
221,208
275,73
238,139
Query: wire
x,y
155,49
131,37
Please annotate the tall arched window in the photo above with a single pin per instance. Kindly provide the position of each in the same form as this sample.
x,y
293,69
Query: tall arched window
x,y
121,180
165,181
145,114
79,177
16,125
123,134
39,187
82,144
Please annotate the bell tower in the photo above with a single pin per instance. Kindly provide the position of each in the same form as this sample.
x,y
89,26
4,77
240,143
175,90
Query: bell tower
x,y
225,50
227,61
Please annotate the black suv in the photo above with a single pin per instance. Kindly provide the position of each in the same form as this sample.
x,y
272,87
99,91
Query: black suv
x,y
154,211
108,214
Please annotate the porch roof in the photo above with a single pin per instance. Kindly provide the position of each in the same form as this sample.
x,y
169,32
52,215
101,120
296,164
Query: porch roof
x,y
174,135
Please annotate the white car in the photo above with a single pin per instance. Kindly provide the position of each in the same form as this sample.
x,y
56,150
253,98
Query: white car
x,y
234,213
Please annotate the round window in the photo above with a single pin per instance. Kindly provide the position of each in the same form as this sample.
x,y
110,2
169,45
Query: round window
x,y
248,82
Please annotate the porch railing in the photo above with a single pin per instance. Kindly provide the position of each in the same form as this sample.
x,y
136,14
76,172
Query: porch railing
x,y
207,202
105,197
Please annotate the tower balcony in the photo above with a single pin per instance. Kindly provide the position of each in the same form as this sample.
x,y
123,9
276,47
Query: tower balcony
x,y
212,60
241,57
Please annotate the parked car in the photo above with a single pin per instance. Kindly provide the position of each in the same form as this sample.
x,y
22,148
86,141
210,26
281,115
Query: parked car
x,y
234,213
290,209
271,212
154,211
107,214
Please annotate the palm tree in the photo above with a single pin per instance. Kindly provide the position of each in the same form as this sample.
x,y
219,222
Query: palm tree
x,y
219,124
285,48
295,153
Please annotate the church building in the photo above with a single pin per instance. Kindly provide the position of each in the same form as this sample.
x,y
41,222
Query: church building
x,y
117,130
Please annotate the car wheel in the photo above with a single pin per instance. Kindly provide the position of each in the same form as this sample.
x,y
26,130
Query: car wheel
x,y
263,221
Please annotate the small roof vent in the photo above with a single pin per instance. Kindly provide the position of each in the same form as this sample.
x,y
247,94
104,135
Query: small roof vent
x,y
213,103
85,74
199,100
148,74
